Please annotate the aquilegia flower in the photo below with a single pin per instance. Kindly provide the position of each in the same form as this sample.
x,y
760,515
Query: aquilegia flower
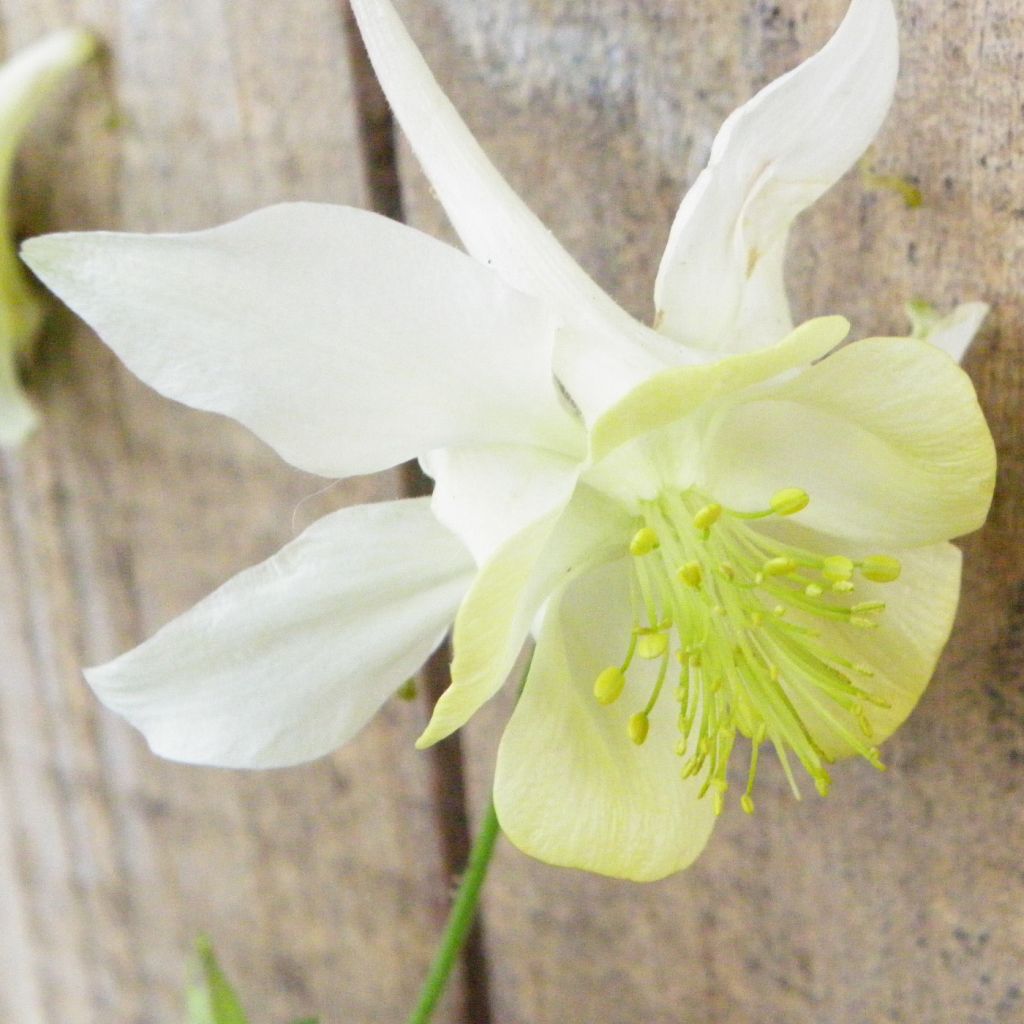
x,y
717,535
26,80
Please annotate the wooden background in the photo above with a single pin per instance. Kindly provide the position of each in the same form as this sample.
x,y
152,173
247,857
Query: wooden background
x,y
899,899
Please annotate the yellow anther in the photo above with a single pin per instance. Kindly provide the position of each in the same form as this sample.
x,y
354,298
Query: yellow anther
x,y
644,542
843,587
707,516
609,686
719,798
639,726
747,803
727,570
691,574
837,568
863,622
789,501
651,645
779,567
813,590
868,606
823,784
881,569
779,611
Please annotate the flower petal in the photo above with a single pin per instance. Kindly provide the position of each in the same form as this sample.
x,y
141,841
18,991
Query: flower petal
x,y
720,284
495,618
902,652
346,341
886,437
289,659
493,222
488,493
571,788
953,333
674,394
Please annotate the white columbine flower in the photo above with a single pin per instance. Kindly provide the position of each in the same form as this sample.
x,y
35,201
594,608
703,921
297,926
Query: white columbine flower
x,y
26,80
714,532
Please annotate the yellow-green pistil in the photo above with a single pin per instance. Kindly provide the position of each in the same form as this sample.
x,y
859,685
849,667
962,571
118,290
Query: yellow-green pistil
x,y
717,596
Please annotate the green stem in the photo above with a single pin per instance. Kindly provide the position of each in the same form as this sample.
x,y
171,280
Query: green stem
x,y
460,919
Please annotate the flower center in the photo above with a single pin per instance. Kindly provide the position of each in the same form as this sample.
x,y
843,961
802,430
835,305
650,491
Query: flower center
x,y
722,597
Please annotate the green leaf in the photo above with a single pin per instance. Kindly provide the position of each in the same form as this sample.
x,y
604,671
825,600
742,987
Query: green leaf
x,y
211,999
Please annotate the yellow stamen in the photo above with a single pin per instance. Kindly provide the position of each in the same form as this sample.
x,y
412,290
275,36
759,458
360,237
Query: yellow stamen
x,y
707,516
644,542
651,645
639,726
881,569
779,567
609,686
789,501
691,574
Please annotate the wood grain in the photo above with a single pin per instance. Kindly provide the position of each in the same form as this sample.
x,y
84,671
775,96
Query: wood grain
x,y
322,887
898,899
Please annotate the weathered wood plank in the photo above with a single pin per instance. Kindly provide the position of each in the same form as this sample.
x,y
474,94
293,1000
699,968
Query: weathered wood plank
x,y
323,887
898,898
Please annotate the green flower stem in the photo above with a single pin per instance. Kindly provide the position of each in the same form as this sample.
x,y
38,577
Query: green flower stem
x,y
460,919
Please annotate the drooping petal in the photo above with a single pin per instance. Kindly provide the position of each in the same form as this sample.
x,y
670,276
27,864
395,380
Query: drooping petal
x,y
886,437
346,341
952,333
494,620
901,652
720,284
493,222
289,659
488,493
677,393
571,788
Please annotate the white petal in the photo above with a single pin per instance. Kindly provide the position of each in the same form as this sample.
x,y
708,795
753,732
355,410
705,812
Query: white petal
x,y
492,221
571,788
346,341
720,284
494,620
289,659
886,437
953,333
486,494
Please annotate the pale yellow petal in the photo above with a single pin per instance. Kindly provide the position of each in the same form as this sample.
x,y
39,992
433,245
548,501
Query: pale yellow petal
x,y
571,788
